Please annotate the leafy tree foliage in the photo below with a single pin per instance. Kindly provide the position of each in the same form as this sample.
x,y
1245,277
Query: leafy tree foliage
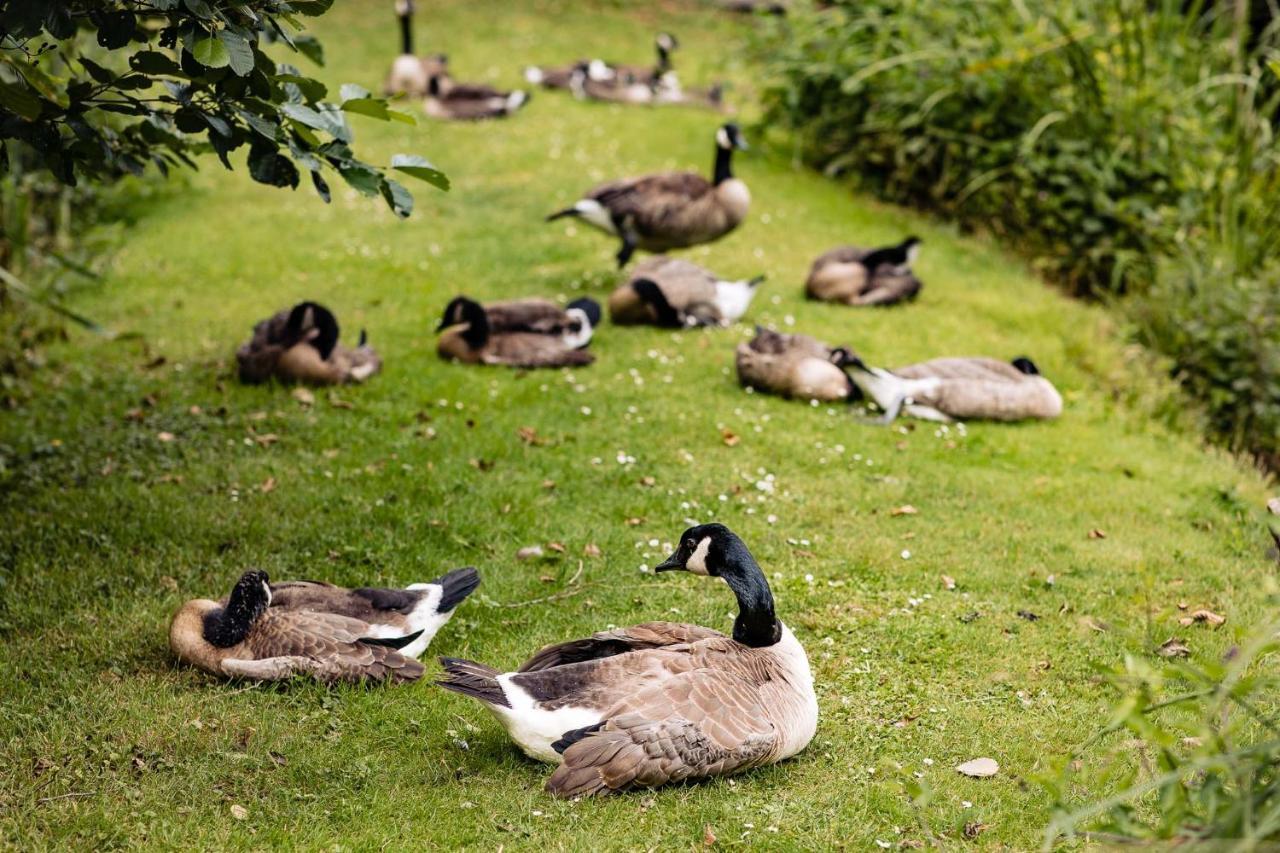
x,y
98,88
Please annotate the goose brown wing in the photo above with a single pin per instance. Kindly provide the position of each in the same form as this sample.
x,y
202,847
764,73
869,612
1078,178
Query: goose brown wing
x,y
527,349
327,645
652,198
603,644
526,315
962,368
698,724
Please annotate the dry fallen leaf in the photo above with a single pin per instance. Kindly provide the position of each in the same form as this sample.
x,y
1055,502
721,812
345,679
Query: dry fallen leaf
x,y
304,396
1207,616
266,439
708,836
973,830
979,768
268,485
481,464
165,436
529,552
279,759
1093,624
168,583
1095,533
529,436
239,812
905,509
555,546
591,550
635,522
1173,648
729,437
1274,506
339,403
948,582
546,578
548,484
647,481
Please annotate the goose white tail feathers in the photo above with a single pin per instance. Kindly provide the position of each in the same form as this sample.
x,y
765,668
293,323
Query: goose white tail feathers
x,y
533,75
517,99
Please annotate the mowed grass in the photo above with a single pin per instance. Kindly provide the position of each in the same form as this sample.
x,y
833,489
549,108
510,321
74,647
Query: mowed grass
x,y
107,527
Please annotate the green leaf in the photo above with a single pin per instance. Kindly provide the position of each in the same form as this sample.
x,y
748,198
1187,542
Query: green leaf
x,y
399,198
328,120
154,62
352,92
20,100
364,179
371,107
239,52
269,166
51,89
310,8
420,168
211,53
311,90
310,47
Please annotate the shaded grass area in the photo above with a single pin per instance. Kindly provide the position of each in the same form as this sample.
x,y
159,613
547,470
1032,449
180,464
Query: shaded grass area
x,y
108,527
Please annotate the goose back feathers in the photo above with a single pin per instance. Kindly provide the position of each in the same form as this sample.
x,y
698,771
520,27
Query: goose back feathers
x,y
660,702
453,101
856,276
575,323
473,339
676,293
300,344
796,366
247,638
965,388
669,210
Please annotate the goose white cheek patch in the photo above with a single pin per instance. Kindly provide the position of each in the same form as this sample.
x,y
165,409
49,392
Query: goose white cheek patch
x,y
722,139
698,561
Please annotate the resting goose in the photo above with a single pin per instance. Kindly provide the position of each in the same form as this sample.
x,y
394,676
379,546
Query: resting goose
x,y
795,366
561,76
447,99
659,702
966,388
247,638
669,210
421,609
300,344
860,277
675,293
615,88
472,339
409,73
574,324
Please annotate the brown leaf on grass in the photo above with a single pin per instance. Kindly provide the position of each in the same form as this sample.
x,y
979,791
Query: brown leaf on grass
x,y
239,812
902,445
1206,616
591,550
168,583
336,402
729,437
481,464
1173,648
979,768
1273,506
973,830
195,410
268,485
529,552
548,484
635,522
905,509
279,759
948,582
41,766
135,415
1095,533
303,396
555,546
1094,625
648,482
266,439
546,578
166,437
708,836
530,436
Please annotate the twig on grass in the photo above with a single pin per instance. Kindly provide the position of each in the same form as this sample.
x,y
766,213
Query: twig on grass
x,y
70,796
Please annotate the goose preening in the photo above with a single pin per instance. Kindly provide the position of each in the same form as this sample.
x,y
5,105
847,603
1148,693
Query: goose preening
x,y
472,339
795,366
448,99
659,702
410,73
960,388
300,344
675,293
865,277
669,210
246,637
575,323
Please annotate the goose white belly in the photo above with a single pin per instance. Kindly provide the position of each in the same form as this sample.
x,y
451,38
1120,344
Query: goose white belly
x,y
886,388
801,705
733,298
534,729
596,215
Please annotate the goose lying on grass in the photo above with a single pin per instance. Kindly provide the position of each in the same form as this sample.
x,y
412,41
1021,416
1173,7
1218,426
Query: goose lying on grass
x,y
453,101
796,366
675,293
575,323
300,344
865,277
473,339
659,702
960,388
328,635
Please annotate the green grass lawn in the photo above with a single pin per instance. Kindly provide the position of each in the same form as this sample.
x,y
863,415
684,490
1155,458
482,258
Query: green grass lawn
x,y
107,528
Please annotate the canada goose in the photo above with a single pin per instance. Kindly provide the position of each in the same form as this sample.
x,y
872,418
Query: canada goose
x,y
860,277
675,293
965,388
300,344
574,324
617,88
409,73
794,366
247,638
421,609
473,340
659,702
447,99
657,76
561,76
669,210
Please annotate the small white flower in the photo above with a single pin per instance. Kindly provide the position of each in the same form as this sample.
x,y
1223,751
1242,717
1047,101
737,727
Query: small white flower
x,y
906,555
586,410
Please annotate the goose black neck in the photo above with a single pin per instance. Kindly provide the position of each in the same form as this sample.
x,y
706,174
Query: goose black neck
x,y
756,625
229,625
724,165
406,33
477,332
664,61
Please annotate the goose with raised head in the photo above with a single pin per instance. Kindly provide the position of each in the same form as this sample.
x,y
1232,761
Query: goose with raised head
x,y
300,344
472,339
575,323
409,72
248,638
866,277
669,210
795,366
420,609
947,389
676,293
660,702
453,101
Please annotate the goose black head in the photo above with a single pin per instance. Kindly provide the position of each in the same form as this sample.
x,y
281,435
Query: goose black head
x,y
729,136
250,598
433,86
1026,365
589,308
452,313
844,357
314,324
703,550
666,42
472,313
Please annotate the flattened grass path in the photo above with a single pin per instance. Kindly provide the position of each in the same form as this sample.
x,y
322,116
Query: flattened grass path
x,y
129,488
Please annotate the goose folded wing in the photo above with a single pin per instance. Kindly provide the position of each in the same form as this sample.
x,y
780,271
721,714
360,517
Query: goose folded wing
x,y
961,368
698,724
526,315
526,349
653,195
649,635
327,645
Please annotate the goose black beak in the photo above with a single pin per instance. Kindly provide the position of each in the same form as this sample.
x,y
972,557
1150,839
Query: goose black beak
x,y
671,564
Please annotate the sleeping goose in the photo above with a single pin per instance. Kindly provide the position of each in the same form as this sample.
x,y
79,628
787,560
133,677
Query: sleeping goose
x,y
421,609
447,99
472,339
614,88
795,366
659,702
860,277
675,293
669,210
964,388
248,638
300,344
575,323
409,73
561,76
